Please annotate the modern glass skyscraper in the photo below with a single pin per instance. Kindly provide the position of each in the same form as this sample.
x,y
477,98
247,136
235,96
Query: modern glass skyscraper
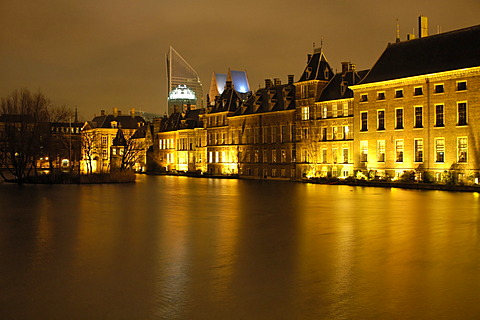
x,y
181,77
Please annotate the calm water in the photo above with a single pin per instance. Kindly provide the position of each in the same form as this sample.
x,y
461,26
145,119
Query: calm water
x,y
185,248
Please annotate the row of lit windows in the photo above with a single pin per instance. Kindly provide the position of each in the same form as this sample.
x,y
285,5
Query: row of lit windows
x,y
418,150
418,117
340,110
417,91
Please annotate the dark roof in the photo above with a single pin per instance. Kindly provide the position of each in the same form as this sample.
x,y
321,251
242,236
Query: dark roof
x,y
16,118
127,121
317,68
337,88
119,139
443,52
275,98
187,120
230,100
140,132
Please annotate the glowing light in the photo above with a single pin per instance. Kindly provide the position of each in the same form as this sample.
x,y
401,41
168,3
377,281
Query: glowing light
x,y
182,92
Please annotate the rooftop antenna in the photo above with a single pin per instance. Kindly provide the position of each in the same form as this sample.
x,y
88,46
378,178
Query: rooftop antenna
x,y
398,32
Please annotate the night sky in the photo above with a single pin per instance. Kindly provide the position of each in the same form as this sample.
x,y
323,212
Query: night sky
x,y
98,54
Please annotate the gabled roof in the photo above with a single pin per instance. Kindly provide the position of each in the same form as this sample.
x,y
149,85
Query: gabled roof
x,y
437,53
127,121
230,100
177,121
274,98
119,139
337,88
317,68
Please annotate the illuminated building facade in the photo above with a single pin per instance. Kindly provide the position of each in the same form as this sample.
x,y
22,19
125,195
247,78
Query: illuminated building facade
x,y
98,135
184,86
181,142
417,110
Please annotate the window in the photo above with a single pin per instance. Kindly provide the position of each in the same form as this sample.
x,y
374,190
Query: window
x,y
345,109
345,132
334,155
334,111
334,132
363,151
418,144
462,149
418,91
399,93
439,150
325,112
283,155
439,88
345,155
439,116
364,121
265,156
324,133
399,150
305,113
461,85
274,155
399,118
418,117
363,97
381,150
381,119
462,114
324,155
381,95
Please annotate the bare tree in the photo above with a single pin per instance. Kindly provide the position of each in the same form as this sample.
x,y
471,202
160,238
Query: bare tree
x,y
25,128
89,141
133,153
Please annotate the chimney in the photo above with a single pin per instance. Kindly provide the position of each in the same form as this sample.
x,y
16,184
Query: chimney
x,y
132,112
119,112
309,56
228,84
345,67
410,36
422,27
268,83
291,79
115,112
102,112
277,82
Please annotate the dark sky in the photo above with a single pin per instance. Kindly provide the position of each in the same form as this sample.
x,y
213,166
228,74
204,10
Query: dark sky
x,y
98,54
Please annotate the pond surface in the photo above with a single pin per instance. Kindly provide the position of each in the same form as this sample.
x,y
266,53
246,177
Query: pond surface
x,y
187,248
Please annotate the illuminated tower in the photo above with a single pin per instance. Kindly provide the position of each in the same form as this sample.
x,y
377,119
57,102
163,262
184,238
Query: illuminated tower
x,y
182,77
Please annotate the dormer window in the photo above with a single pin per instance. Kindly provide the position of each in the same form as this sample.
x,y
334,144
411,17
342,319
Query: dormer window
x,y
439,88
325,73
114,124
399,93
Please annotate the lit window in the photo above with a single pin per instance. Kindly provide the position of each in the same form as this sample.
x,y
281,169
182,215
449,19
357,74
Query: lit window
x,y
399,118
461,85
334,111
439,115
399,150
345,155
345,109
334,155
439,88
325,112
418,117
462,113
381,119
363,151
399,93
364,121
418,91
334,132
462,149
305,113
440,150
381,150
418,144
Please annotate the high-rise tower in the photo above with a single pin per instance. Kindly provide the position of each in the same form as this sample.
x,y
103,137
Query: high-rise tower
x,y
181,77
